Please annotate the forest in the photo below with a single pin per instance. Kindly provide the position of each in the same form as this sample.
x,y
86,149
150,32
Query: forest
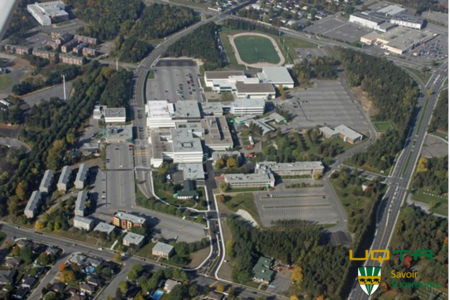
x,y
21,22
316,67
200,43
117,91
50,144
439,122
417,230
432,174
394,95
240,24
40,116
106,18
423,5
299,245
131,49
14,113
158,21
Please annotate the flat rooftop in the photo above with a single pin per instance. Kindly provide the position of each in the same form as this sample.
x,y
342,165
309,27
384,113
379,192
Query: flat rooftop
x,y
133,238
192,171
104,227
117,112
369,17
276,74
211,75
294,166
391,10
250,102
123,132
187,109
252,178
216,131
129,217
401,37
162,247
184,141
161,141
254,88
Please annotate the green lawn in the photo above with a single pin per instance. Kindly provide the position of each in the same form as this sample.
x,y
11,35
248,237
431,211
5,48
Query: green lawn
x,y
254,49
150,74
382,126
5,82
422,76
243,201
192,3
428,197
440,134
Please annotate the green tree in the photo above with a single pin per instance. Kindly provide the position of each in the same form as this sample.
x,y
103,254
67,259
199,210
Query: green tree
x,y
231,162
193,290
123,286
26,254
219,164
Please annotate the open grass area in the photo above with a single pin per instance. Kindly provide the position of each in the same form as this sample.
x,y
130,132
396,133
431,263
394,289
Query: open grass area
x,y
254,49
192,3
442,135
5,82
383,126
355,206
439,203
150,74
166,193
422,76
243,201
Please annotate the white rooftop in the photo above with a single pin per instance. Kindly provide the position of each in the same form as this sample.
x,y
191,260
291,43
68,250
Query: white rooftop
x,y
163,247
192,171
133,238
104,227
134,219
391,10
293,166
342,129
83,220
115,112
249,102
184,141
276,75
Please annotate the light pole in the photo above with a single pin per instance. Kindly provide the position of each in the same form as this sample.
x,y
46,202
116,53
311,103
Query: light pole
x,y
64,86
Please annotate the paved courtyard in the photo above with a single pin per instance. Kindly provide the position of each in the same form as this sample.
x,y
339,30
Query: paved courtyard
x,y
326,103
309,203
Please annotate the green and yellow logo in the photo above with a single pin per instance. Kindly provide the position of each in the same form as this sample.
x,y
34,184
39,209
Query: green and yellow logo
x,y
369,279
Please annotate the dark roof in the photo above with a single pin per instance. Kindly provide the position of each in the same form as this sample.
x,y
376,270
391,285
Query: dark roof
x,y
58,287
29,280
188,189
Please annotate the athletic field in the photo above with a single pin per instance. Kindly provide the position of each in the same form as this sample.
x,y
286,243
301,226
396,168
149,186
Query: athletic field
x,y
383,126
255,49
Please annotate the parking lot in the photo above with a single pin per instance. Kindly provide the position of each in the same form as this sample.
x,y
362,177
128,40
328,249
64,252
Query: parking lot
x,y
308,53
339,29
309,203
326,103
175,80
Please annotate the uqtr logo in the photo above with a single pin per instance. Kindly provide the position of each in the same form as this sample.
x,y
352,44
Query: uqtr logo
x,y
369,278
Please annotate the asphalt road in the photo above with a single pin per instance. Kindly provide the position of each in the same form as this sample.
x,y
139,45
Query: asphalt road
x,y
404,169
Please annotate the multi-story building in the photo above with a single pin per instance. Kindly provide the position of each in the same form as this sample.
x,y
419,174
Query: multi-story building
x,y
33,205
87,39
80,204
242,107
262,178
62,38
83,223
127,221
17,49
72,60
46,181
115,115
89,52
64,178
81,176
407,21
217,133
55,46
48,12
162,250
133,239
44,54
294,168
163,114
80,47
67,47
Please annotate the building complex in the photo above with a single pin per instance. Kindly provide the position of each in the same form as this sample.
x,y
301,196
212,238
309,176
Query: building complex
x,y
48,13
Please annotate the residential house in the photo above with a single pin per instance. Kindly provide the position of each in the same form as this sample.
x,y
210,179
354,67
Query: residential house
x,y
94,261
58,287
7,276
13,262
94,280
20,293
88,289
169,285
78,258
53,251
28,282
77,297
213,296
23,243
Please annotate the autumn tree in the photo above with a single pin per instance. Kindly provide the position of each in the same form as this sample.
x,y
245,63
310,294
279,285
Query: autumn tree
x,y
117,257
320,297
220,288
293,297
422,165
16,251
297,275
56,154
123,286
67,276
231,162
219,164
62,267
12,205
21,190
384,286
224,186
220,198
39,225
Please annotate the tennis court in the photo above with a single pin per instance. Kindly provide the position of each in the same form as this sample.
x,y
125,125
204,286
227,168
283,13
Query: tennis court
x,y
255,49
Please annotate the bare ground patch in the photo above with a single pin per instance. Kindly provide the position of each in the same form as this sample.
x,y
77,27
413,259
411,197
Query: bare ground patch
x,y
366,103
198,257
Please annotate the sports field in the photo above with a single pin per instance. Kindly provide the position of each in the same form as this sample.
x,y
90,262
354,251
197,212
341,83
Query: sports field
x,y
255,49
383,126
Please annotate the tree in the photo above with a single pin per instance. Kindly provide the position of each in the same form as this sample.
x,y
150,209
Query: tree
x,y
62,267
178,292
139,297
193,290
123,286
26,254
39,225
12,205
320,297
231,292
43,259
219,164
117,257
220,288
297,275
16,251
132,275
224,186
293,297
68,276
281,90
21,190
220,198
7,244
231,162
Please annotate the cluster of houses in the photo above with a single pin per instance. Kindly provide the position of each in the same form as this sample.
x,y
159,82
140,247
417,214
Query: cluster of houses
x,y
65,43
45,187
9,275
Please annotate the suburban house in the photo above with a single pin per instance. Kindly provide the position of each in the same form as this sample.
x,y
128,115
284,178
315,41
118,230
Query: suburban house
x,y
169,285
133,239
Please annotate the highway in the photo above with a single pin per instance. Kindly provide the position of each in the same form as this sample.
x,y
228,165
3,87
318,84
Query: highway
x,y
400,178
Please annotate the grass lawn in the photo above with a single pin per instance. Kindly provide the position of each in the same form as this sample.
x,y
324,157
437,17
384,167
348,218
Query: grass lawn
x,y
5,82
383,126
146,251
192,3
425,196
354,205
254,49
243,201
150,74
205,88
167,194
422,76
78,236
440,134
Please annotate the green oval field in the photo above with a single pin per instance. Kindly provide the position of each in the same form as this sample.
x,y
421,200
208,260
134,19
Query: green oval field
x,y
256,49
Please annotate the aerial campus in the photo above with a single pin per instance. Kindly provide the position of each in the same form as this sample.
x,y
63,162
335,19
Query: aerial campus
x,y
254,150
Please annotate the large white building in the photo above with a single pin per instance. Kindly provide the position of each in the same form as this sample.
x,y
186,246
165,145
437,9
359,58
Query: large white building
x,y
262,178
163,114
242,107
46,181
239,84
293,168
33,205
366,20
217,133
48,12
178,145
276,76
407,21
81,176
80,204
83,223
115,115
64,179
391,10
